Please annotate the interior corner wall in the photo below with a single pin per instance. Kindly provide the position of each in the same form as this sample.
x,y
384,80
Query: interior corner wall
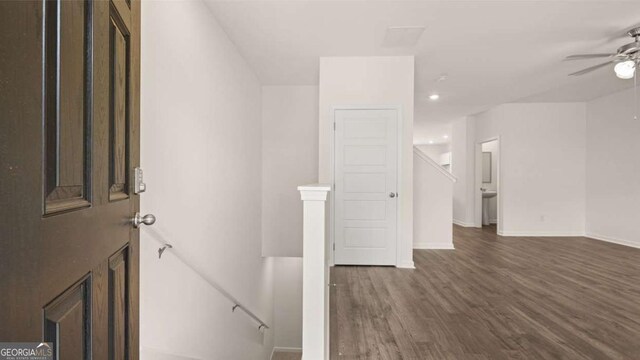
x,y
542,166
289,159
613,169
463,168
372,81
201,143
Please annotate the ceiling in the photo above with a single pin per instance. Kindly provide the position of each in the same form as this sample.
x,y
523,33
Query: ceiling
x,y
491,51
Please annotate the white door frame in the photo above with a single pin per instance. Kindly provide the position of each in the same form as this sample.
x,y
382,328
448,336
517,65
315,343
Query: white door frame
x,y
332,173
478,183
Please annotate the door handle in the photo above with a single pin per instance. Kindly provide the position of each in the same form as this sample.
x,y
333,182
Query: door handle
x,y
392,194
138,220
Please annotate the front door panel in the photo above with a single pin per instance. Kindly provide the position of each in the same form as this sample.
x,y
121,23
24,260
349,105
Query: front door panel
x,y
69,135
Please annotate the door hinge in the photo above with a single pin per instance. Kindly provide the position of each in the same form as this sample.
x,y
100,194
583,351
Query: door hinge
x,y
334,246
334,126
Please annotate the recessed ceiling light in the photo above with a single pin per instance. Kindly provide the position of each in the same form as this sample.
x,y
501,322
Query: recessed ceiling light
x,y
434,97
445,136
430,141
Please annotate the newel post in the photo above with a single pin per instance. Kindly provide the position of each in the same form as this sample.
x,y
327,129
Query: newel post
x,y
315,272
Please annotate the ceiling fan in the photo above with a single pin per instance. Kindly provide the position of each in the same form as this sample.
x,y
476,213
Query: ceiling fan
x,y
626,58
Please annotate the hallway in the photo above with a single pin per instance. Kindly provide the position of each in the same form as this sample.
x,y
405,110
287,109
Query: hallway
x,y
492,298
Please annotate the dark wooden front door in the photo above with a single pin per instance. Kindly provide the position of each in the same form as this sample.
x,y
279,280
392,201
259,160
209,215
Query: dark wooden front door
x,y
69,141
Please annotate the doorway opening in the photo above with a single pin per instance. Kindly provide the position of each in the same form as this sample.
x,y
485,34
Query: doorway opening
x,y
488,213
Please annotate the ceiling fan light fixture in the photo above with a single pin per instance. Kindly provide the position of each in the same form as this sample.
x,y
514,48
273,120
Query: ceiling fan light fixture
x,y
625,70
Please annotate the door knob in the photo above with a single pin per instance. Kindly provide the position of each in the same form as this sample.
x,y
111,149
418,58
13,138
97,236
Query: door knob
x,y
392,194
138,220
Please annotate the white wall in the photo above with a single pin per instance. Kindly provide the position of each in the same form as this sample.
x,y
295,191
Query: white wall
x,y
289,159
567,169
432,205
372,81
288,303
463,168
492,147
613,169
434,151
542,166
201,144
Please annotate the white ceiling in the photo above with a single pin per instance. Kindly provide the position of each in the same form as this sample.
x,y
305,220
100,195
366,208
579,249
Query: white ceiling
x,y
492,51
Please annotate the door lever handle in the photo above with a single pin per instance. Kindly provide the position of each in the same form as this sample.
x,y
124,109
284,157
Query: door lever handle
x,y
138,220
392,194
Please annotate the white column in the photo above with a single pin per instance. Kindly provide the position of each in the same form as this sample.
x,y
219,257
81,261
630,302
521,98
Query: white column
x,y
315,273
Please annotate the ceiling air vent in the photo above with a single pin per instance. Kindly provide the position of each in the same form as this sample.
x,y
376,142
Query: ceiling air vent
x,y
402,36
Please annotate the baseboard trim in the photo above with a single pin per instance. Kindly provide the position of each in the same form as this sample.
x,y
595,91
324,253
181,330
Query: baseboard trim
x,y
463,224
541,233
433,246
613,240
285,350
406,265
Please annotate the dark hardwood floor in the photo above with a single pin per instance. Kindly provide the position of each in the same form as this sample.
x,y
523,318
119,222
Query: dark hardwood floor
x,y
492,298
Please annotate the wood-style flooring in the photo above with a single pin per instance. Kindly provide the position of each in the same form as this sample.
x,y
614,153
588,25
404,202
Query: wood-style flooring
x,y
492,298
281,355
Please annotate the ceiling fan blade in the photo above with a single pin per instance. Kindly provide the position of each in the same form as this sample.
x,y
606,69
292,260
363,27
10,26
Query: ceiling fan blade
x,y
590,69
587,56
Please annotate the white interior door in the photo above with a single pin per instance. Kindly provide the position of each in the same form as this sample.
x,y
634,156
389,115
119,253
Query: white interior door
x,y
366,178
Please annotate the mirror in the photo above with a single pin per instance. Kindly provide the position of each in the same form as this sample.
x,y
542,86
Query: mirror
x,y
486,167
